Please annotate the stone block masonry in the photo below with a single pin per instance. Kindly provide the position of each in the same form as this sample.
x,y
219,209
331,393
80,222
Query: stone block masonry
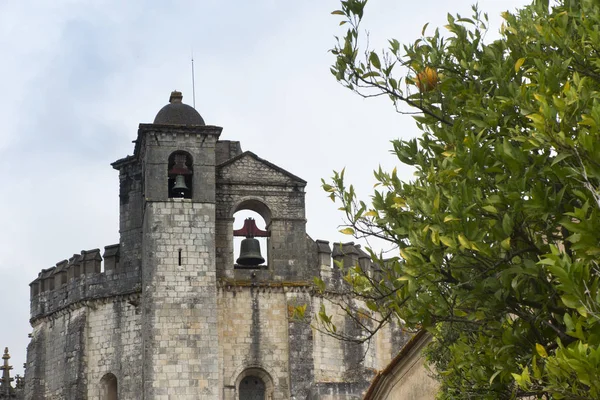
x,y
180,336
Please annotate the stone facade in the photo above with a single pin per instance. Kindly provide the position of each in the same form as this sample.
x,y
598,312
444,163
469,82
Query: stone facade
x,y
168,314
406,377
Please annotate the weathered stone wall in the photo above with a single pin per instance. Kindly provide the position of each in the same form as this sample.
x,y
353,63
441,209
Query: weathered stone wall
x,y
57,368
130,213
114,345
83,281
253,335
257,333
179,301
71,351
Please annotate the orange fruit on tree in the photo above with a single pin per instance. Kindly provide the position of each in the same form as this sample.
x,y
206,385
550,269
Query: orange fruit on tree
x,y
427,79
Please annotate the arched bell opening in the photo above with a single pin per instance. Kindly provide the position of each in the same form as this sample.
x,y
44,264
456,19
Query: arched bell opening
x,y
250,240
180,171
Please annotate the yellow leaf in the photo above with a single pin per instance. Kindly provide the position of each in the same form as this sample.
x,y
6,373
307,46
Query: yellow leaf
x,y
541,350
435,237
505,243
450,218
464,241
436,202
519,63
448,241
536,118
404,255
347,231
371,214
449,153
400,201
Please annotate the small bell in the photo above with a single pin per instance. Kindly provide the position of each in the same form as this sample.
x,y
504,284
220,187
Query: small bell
x,y
180,189
250,252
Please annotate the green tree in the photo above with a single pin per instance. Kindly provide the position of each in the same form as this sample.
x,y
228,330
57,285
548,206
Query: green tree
x,y
498,235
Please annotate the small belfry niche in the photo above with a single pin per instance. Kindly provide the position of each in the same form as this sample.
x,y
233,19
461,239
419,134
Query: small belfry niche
x,y
180,171
250,240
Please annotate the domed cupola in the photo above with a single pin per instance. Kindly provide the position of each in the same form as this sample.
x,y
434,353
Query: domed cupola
x,y
177,113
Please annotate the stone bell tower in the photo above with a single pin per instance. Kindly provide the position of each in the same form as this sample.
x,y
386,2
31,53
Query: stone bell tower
x,y
170,313
179,323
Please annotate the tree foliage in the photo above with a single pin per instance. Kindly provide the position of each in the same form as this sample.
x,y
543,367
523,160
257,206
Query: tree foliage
x,y
498,235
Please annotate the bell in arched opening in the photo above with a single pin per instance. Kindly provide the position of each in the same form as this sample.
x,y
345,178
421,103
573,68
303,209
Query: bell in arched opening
x,y
180,189
250,252
180,175
250,255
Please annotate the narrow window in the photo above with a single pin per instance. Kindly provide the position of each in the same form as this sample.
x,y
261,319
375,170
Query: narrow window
x,y
180,257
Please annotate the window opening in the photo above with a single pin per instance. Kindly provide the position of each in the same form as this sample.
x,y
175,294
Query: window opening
x,y
180,175
109,387
252,388
250,240
180,257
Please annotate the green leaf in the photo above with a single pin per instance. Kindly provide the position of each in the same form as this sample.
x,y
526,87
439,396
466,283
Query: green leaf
x,y
570,301
507,224
491,209
374,59
560,157
494,376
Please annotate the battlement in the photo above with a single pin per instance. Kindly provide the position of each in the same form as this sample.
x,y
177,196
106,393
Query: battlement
x,y
82,277
348,253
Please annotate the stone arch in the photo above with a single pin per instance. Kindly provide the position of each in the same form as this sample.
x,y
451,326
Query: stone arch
x,y
255,204
253,371
109,388
180,169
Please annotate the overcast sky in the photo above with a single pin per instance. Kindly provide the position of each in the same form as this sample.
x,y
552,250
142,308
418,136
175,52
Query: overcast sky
x,y
77,77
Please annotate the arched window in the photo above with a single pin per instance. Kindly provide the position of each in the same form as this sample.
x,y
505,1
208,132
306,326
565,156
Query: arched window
x,y
254,383
109,388
180,175
252,388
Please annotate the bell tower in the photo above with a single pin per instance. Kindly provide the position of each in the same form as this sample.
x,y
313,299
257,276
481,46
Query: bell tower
x,y
179,313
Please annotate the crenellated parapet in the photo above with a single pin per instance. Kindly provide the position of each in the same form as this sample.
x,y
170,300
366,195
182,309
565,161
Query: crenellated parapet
x,y
346,254
85,276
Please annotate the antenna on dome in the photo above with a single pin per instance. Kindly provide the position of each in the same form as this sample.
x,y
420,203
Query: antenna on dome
x,y
193,82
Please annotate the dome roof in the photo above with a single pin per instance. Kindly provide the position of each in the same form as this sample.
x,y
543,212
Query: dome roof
x,y
177,113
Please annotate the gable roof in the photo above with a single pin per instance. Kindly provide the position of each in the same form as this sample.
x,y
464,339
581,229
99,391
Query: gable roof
x,y
262,161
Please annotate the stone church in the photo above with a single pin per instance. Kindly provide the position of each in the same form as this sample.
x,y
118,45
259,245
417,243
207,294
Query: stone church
x,y
170,312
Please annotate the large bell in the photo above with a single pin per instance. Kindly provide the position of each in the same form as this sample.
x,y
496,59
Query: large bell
x,y
180,189
250,252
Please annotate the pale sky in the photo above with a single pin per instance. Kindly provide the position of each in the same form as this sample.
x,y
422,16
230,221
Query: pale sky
x,y
77,77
